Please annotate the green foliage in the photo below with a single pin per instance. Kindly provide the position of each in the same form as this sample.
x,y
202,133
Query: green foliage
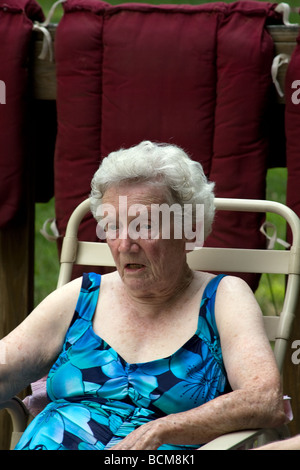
x,y
271,290
46,264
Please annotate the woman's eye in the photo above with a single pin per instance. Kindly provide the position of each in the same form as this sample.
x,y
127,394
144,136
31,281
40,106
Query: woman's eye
x,y
111,230
145,228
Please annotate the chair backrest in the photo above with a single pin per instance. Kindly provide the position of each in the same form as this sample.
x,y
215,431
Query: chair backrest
x,y
235,260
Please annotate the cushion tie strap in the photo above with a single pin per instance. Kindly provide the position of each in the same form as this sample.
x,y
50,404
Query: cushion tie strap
x,y
47,48
272,238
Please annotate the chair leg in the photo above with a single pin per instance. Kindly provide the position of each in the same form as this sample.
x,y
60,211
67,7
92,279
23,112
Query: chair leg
x,y
19,416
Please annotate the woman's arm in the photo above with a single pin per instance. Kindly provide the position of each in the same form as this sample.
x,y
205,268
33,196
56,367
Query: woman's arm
x,y
256,400
29,350
292,443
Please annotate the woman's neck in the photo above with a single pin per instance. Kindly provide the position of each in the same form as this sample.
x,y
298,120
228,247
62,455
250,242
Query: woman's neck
x,y
151,303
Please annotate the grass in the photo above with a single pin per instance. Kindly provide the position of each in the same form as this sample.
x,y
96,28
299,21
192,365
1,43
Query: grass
x,y
46,264
271,289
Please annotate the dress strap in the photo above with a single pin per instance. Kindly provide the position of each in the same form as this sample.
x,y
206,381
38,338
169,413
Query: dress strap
x,y
207,327
88,296
211,288
85,307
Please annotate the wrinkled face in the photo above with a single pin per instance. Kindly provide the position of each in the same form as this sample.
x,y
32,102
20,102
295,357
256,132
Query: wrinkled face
x,y
149,264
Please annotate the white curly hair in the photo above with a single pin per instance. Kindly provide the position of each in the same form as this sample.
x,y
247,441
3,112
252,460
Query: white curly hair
x,y
157,163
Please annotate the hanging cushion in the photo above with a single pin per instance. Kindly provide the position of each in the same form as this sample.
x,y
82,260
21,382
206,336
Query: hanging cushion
x,y
159,77
78,55
16,21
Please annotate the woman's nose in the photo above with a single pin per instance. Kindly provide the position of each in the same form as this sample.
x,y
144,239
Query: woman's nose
x,y
127,245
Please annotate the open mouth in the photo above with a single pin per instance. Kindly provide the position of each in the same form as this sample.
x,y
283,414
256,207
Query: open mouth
x,y
134,266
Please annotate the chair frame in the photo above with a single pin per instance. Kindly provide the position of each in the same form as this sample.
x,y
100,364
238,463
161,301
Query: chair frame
x,y
235,260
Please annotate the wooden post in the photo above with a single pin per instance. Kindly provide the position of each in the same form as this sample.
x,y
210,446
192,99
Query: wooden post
x,y
16,281
291,376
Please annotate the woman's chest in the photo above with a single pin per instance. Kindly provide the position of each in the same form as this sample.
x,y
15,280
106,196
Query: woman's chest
x,y
144,337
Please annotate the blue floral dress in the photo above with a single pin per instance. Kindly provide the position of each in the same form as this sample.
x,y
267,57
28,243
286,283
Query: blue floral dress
x,y
97,398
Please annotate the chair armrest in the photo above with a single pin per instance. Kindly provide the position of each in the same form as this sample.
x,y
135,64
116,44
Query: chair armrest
x,y
246,439
18,413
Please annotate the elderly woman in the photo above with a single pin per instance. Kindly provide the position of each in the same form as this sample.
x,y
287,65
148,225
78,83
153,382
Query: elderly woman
x,y
153,355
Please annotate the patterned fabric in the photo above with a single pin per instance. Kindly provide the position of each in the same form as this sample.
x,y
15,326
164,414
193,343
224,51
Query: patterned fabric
x,y
97,398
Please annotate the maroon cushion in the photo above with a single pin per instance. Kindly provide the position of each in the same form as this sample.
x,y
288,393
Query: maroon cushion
x,y
16,19
159,77
79,100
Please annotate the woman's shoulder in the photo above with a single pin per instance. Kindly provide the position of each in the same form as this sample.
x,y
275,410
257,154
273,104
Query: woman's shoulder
x,y
111,279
